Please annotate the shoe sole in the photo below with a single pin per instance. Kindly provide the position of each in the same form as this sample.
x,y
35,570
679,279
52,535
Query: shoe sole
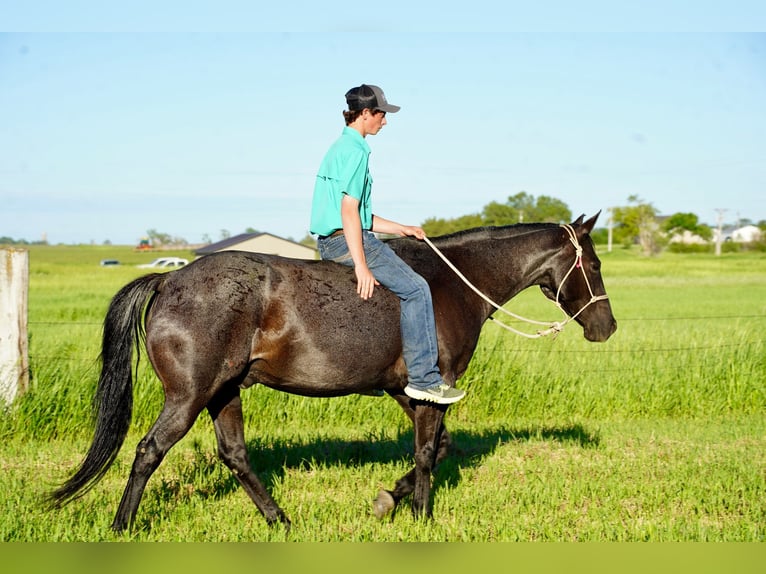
x,y
428,397
373,393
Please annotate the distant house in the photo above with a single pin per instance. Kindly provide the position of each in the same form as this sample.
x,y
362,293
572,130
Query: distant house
x,y
745,234
260,243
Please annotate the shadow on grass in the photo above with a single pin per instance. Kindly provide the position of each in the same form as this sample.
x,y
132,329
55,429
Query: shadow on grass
x,y
270,458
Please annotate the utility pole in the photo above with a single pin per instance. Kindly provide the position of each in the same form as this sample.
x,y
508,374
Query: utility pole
x,y
609,229
719,237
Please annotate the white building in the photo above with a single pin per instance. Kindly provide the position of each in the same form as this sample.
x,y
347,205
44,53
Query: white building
x,y
745,234
260,243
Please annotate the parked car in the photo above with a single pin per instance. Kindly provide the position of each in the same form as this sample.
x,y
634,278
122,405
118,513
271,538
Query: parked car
x,y
109,262
165,263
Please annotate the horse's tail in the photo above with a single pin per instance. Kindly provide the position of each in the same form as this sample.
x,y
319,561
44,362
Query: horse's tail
x,y
113,403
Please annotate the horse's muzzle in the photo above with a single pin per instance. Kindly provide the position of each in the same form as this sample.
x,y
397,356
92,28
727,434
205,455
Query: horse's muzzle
x,y
601,331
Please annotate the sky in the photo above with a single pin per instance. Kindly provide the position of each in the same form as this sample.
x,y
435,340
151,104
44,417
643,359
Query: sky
x,y
106,132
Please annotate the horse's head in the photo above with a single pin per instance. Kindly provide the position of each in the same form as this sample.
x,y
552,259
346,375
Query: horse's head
x,y
576,283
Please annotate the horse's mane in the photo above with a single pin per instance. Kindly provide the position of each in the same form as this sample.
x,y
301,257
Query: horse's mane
x,y
490,232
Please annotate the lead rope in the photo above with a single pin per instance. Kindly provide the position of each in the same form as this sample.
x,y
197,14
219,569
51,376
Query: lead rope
x,y
557,326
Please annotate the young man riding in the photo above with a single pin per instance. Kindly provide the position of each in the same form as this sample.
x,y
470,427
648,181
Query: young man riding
x,y
342,218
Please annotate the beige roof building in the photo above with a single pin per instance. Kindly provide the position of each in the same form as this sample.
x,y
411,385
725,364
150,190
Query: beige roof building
x,y
261,243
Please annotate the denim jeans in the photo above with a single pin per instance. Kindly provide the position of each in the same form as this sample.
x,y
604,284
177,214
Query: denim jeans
x,y
419,347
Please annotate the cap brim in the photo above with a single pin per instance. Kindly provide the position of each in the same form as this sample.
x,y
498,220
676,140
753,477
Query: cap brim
x,y
388,108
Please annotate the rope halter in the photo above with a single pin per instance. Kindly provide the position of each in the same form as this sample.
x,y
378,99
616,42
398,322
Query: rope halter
x,y
552,328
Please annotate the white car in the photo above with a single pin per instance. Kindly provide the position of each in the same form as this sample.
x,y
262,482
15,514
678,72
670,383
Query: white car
x,y
165,263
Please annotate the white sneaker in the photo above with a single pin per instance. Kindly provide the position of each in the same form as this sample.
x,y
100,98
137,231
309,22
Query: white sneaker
x,y
441,394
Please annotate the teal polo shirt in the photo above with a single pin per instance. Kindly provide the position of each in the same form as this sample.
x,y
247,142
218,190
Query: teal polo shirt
x,y
344,170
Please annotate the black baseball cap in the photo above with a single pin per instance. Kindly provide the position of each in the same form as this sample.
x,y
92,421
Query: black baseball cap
x,y
370,97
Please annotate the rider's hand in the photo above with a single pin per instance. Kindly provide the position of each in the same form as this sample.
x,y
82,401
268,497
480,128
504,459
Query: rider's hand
x,y
413,231
365,282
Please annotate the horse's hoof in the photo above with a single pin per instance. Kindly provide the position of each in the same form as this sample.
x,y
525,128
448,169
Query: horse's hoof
x,y
383,504
280,518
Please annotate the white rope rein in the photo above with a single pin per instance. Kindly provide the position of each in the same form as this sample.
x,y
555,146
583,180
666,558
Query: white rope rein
x,y
557,326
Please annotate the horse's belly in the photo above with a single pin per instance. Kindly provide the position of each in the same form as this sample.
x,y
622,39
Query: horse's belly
x,y
324,369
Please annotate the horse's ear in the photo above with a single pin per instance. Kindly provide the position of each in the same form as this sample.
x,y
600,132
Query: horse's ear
x,y
578,221
588,225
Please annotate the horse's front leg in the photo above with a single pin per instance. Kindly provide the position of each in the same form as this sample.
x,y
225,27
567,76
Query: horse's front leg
x,y
428,428
432,443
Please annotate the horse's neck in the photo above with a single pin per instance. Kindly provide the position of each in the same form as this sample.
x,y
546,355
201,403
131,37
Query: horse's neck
x,y
509,265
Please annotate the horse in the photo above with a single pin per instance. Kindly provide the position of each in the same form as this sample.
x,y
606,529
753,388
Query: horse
x,y
235,319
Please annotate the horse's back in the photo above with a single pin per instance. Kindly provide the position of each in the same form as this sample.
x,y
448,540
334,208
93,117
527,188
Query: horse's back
x,y
292,324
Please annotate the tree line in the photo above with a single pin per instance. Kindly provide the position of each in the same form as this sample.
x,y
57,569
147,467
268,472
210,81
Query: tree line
x,y
636,223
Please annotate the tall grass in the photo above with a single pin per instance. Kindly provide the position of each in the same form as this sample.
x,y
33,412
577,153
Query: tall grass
x,y
657,434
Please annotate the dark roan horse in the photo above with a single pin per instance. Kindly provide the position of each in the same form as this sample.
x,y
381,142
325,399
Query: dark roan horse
x,y
235,319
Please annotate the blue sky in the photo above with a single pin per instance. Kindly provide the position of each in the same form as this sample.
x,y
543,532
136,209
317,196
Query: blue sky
x,y
104,135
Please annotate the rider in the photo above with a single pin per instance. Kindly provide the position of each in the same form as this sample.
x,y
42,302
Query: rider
x,y
342,217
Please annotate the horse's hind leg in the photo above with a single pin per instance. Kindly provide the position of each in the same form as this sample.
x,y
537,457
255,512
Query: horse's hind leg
x,y
172,424
226,411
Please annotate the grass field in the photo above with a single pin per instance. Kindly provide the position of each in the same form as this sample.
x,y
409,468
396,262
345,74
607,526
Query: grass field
x,y
658,434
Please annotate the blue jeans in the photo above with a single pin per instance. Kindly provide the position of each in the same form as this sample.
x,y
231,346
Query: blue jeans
x,y
419,347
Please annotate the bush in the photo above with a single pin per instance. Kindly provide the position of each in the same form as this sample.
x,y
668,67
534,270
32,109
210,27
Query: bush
x,y
755,246
690,248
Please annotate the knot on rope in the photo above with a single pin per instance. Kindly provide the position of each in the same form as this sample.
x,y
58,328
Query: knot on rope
x,y
554,329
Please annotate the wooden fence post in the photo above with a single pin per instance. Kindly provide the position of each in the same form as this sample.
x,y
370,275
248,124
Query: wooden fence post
x,y
14,358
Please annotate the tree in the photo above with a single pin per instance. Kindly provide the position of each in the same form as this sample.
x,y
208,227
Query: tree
x,y
551,210
680,222
495,213
638,222
517,209
543,209
434,226
308,240
157,239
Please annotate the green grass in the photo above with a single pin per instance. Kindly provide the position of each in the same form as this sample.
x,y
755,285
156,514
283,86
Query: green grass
x,y
658,434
